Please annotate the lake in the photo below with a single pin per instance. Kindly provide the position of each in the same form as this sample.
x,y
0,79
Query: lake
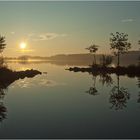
x,y
64,104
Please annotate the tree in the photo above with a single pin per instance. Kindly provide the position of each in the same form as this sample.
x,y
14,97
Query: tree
x,y
119,44
2,43
93,49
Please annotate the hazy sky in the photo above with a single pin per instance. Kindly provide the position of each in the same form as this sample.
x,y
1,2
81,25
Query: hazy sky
x,y
50,28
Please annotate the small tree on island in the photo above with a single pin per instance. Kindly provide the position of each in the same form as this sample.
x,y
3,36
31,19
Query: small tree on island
x,y
2,43
93,49
119,44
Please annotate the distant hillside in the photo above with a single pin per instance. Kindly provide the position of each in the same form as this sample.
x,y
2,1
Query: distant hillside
x,y
125,59
73,57
80,59
129,58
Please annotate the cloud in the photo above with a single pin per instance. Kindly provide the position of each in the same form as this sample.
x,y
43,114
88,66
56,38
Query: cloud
x,y
12,32
31,34
44,36
127,20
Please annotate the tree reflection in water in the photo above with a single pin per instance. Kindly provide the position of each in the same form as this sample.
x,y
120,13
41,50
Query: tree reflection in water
x,y
119,96
3,109
3,112
139,91
92,90
138,101
106,79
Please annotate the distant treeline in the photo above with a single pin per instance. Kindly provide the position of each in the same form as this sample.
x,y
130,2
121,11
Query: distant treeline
x,y
83,59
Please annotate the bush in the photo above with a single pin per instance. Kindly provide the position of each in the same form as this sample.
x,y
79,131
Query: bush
x,y
106,60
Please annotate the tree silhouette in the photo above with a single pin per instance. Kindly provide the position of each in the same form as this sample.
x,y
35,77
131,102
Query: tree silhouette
x,y
93,49
119,44
2,43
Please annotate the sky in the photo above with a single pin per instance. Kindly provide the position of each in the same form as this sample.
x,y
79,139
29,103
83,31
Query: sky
x,y
65,27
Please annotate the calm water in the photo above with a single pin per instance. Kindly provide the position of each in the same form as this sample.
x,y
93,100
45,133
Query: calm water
x,y
63,104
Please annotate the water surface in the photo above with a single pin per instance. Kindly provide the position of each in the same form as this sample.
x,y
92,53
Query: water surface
x,y
64,104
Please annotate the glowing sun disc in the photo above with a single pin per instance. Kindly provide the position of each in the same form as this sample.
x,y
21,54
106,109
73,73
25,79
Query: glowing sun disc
x,y
23,45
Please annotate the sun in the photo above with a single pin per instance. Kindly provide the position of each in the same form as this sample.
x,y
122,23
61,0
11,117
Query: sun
x,y
23,45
